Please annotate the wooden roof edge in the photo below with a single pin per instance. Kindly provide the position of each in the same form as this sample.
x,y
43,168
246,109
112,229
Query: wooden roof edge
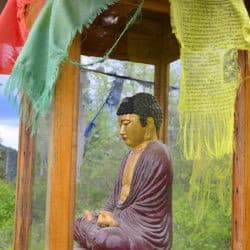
x,y
134,58
160,6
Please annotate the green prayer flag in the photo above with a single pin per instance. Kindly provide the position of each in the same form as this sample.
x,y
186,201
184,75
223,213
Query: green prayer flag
x,y
37,66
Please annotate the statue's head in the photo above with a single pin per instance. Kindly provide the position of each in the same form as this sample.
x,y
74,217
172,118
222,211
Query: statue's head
x,y
144,105
140,117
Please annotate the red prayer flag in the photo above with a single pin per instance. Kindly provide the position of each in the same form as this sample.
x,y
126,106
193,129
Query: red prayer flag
x,y
13,31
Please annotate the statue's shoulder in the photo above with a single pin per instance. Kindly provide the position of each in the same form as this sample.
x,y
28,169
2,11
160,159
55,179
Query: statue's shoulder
x,y
159,155
158,150
159,147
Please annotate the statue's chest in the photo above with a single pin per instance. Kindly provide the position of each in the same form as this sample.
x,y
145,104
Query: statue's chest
x,y
128,176
129,169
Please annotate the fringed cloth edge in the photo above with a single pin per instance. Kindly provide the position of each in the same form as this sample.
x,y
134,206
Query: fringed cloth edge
x,y
37,66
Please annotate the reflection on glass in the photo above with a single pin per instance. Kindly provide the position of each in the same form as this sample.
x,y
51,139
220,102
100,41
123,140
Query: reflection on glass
x,y
201,201
101,148
39,187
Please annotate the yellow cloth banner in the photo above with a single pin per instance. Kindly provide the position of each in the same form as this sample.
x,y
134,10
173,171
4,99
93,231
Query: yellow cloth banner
x,y
210,33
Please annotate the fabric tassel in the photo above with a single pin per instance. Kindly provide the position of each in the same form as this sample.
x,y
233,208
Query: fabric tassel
x,y
206,135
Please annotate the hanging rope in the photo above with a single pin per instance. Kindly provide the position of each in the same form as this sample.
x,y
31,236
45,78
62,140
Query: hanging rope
x,y
145,83
109,51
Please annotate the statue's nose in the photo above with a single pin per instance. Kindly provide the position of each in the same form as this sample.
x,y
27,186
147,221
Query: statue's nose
x,y
122,130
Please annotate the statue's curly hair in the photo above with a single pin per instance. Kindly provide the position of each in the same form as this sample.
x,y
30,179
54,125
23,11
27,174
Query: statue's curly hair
x,y
144,105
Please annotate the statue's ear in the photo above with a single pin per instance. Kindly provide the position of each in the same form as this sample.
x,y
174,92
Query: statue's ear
x,y
150,129
150,122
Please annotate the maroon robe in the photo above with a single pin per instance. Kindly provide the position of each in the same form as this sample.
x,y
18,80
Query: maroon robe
x,y
145,218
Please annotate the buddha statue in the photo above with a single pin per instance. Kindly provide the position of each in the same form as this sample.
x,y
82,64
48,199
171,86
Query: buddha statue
x,y
137,214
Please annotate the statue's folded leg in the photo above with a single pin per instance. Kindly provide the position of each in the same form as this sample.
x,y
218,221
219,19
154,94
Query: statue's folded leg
x,y
110,238
85,231
89,235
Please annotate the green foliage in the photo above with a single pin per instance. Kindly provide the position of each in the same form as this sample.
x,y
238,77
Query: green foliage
x,y
193,230
37,237
103,153
195,225
103,149
37,231
2,160
98,172
7,207
212,232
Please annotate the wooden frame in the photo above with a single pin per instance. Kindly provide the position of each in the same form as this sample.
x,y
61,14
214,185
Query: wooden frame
x,y
26,153
61,192
161,87
60,209
24,183
241,170
141,43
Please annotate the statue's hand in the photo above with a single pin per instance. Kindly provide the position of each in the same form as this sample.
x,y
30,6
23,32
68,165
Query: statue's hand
x,y
105,219
88,215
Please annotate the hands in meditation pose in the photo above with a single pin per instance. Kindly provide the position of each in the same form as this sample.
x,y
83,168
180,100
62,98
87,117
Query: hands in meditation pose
x,y
137,215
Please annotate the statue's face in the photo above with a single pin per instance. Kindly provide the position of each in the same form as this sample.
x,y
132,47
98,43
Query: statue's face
x,y
131,130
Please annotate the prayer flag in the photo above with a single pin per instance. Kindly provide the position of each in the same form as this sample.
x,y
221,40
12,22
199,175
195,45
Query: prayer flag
x,y
12,34
37,66
14,30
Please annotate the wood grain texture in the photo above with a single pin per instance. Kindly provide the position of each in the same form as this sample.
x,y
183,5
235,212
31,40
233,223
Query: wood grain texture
x,y
142,41
241,170
161,87
62,156
161,93
26,151
24,183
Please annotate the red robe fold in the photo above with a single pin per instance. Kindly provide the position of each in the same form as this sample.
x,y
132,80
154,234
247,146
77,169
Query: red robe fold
x,y
145,218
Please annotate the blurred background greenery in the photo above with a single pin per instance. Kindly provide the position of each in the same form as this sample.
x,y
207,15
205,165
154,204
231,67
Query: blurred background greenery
x,y
201,215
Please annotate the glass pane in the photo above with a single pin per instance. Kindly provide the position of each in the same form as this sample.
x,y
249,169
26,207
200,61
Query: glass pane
x,y
101,150
37,232
202,221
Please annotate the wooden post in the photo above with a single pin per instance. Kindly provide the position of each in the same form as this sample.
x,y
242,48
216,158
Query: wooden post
x,y
161,87
62,156
241,168
24,179
24,186
161,93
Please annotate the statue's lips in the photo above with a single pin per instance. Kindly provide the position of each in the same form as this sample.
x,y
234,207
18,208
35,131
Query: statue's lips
x,y
124,138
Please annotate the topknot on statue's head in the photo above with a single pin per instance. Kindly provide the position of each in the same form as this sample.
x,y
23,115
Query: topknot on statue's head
x,y
144,105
